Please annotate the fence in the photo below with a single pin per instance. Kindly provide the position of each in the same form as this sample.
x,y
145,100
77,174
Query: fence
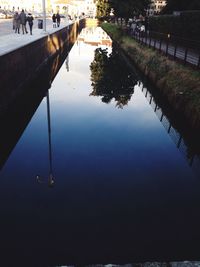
x,y
185,50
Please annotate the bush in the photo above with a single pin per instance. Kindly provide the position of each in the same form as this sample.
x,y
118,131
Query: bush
x,y
186,25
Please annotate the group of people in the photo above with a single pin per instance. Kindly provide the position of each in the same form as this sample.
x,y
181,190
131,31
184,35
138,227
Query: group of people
x,y
20,21
56,20
137,26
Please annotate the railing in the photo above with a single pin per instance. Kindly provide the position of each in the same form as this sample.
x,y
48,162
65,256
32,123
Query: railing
x,y
185,50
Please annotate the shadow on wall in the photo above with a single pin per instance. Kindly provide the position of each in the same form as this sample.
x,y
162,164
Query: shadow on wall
x,y
30,59
19,96
18,114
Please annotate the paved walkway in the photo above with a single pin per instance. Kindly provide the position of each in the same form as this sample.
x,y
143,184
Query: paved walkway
x,y
13,40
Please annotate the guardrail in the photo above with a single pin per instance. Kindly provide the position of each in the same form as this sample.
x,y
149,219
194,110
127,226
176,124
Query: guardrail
x,y
185,50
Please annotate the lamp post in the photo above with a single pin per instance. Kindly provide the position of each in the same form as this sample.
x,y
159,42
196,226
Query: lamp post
x,y
44,15
66,15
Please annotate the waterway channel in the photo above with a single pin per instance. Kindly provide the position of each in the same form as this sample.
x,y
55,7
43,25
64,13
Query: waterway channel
x,y
97,172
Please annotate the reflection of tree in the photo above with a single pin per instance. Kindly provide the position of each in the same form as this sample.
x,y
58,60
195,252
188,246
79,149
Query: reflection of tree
x,y
111,78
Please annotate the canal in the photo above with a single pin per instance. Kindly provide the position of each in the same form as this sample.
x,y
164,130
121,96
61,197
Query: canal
x,y
94,171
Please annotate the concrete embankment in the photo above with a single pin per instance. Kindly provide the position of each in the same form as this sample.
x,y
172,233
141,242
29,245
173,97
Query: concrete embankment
x,y
179,84
20,63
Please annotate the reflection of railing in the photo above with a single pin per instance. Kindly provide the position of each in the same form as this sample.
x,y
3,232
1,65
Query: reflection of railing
x,y
193,159
190,155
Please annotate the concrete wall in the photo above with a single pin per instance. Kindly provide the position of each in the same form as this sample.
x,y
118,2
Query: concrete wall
x,y
17,67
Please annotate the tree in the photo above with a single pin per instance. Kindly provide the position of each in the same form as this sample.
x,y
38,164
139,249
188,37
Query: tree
x,y
103,8
111,78
180,5
129,8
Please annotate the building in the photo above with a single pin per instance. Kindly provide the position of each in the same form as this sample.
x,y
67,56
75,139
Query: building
x,y
90,8
35,5
155,7
75,7
71,7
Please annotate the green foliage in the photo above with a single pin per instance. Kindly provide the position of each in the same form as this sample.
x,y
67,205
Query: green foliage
x,y
190,21
180,5
186,26
113,30
103,8
165,24
129,8
163,69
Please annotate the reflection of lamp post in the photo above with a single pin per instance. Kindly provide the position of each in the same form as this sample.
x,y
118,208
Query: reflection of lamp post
x,y
44,15
51,181
50,178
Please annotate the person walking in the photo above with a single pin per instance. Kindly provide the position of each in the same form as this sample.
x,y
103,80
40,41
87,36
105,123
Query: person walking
x,y
16,22
58,19
54,20
30,22
23,21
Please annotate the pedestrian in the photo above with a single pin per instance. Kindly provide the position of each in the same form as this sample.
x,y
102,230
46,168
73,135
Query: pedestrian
x,y
30,22
133,27
142,30
23,21
54,20
16,21
58,19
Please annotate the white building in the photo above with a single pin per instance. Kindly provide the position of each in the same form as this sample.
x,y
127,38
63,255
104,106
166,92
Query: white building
x,y
75,7
24,4
72,7
90,8
155,7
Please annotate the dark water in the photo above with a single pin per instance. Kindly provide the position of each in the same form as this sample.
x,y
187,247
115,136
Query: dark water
x,y
125,186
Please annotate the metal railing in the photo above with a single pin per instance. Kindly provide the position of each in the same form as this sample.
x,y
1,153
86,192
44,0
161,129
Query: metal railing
x,y
185,50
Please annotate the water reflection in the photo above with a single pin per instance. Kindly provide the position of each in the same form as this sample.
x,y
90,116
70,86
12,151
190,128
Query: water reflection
x,y
16,117
123,192
111,78
50,179
114,78
185,139
95,36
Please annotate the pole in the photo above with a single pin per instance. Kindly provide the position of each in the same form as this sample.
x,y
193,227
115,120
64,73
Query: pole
x,y
44,15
